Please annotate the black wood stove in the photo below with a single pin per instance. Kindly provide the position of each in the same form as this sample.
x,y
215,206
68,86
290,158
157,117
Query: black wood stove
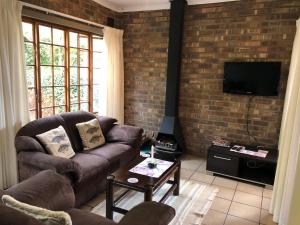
x,y
170,141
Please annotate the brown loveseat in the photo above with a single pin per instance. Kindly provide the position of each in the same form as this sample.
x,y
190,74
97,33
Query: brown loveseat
x,y
87,169
52,191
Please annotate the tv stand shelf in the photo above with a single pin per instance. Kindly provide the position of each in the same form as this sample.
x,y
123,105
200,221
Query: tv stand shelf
x,y
221,160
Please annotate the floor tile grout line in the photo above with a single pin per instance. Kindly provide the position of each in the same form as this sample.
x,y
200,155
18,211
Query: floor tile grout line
x,y
230,204
247,204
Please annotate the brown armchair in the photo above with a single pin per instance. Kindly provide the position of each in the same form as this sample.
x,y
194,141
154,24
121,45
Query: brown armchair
x,y
54,192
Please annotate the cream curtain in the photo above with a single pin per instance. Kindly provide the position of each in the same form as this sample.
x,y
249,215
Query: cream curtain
x,y
113,39
13,91
285,204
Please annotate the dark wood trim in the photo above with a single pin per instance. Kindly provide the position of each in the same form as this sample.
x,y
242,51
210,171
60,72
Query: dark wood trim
x,y
58,20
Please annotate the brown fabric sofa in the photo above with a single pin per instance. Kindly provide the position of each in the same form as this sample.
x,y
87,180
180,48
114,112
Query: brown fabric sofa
x,y
87,169
53,191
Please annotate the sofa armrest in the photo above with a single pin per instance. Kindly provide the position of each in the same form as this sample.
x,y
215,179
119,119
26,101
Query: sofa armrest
x,y
149,213
26,143
46,189
125,134
106,123
45,161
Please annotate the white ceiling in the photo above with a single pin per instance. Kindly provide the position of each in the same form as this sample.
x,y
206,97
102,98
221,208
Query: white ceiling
x,y
145,5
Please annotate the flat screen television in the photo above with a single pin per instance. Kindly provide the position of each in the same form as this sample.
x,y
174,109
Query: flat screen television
x,y
252,78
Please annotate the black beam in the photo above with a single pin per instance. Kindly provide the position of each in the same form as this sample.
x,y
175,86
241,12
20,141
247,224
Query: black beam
x,y
174,56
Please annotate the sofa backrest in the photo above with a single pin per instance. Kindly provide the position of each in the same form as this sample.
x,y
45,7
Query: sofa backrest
x,y
42,125
26,137
71,119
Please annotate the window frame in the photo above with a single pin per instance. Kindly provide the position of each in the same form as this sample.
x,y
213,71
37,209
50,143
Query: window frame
x,y
37,67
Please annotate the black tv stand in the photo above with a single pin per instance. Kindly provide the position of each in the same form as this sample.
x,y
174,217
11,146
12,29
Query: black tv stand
x,y
220,160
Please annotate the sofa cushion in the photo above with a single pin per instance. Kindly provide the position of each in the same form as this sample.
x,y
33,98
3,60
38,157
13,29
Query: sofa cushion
x,y
117,154
91,134
90,165
71,119
57,142
80,217
11,216
46,216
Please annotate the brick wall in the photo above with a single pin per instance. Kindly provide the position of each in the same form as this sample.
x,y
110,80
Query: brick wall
x,y
85,9
247,30
145,56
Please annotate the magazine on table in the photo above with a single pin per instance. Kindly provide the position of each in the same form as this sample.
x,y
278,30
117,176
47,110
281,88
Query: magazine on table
x,y
241,149
143,169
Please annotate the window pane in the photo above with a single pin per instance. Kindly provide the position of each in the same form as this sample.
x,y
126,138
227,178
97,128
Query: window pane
x,y
97,76
45,34
32,114
83,41
74,108
84,76
99,98
59,76
73,39
74,94
27,31
45,54
30,76
46,76
29,53
84,58
84,93
84,107
98,44
59,56
58,37
73,76
98,60
47,97
47,112
96,98
31,98
73,57
59,96
60,109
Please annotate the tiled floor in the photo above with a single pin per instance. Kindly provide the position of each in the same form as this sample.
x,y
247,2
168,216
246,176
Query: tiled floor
x,y
236,203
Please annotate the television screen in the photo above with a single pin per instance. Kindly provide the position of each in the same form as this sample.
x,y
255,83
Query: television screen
x,y
252,78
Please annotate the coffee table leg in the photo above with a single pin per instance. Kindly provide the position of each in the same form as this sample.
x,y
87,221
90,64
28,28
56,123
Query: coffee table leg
x,y
177,179
109,197
148,193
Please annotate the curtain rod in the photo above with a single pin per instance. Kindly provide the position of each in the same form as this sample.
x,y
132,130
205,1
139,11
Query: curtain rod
x,y
61,14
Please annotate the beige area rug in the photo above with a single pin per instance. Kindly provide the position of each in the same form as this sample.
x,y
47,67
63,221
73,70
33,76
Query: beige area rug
x,y
191,205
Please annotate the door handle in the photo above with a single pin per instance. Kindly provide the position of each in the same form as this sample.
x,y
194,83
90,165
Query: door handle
x,y
223,158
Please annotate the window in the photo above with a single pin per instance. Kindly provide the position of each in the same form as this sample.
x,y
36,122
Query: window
x,y
63,69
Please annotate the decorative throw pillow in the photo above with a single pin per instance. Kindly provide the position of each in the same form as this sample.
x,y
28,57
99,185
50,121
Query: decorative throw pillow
x,y
57,142
91,134
45,216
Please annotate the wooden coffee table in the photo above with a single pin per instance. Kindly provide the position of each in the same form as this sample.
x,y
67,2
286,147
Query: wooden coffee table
x,y
147,185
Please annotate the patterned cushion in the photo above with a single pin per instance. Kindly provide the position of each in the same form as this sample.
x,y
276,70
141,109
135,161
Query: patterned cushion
x,y
46,216
91,134
57,143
